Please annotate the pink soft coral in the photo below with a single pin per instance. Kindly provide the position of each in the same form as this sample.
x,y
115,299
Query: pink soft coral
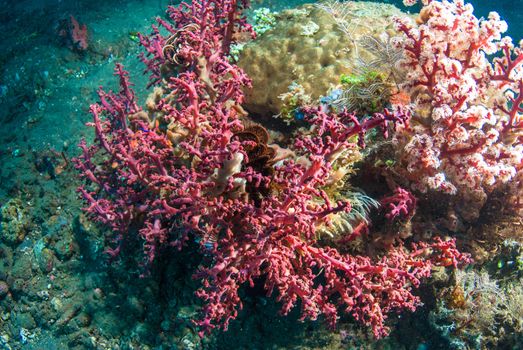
x,y
465,136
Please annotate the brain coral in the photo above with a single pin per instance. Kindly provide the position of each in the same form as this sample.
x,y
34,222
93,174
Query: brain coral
x,y
308,47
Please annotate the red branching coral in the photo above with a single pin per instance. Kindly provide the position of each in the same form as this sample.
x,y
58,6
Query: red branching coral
x,y
180,170
401,204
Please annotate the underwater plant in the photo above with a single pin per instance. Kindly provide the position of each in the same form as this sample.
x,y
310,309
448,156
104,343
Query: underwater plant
x,y
193,167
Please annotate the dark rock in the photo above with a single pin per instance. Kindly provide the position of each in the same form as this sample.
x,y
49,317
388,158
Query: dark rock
x,y
25,320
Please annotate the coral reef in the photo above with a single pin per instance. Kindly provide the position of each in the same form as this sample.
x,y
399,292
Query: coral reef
x,y
363,93
402,204
310,214
285,55
465,135
74,35
478,312
193,168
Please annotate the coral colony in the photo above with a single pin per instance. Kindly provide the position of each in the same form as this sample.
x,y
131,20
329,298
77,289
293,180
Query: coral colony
x,y
192,167
74,35
468,137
